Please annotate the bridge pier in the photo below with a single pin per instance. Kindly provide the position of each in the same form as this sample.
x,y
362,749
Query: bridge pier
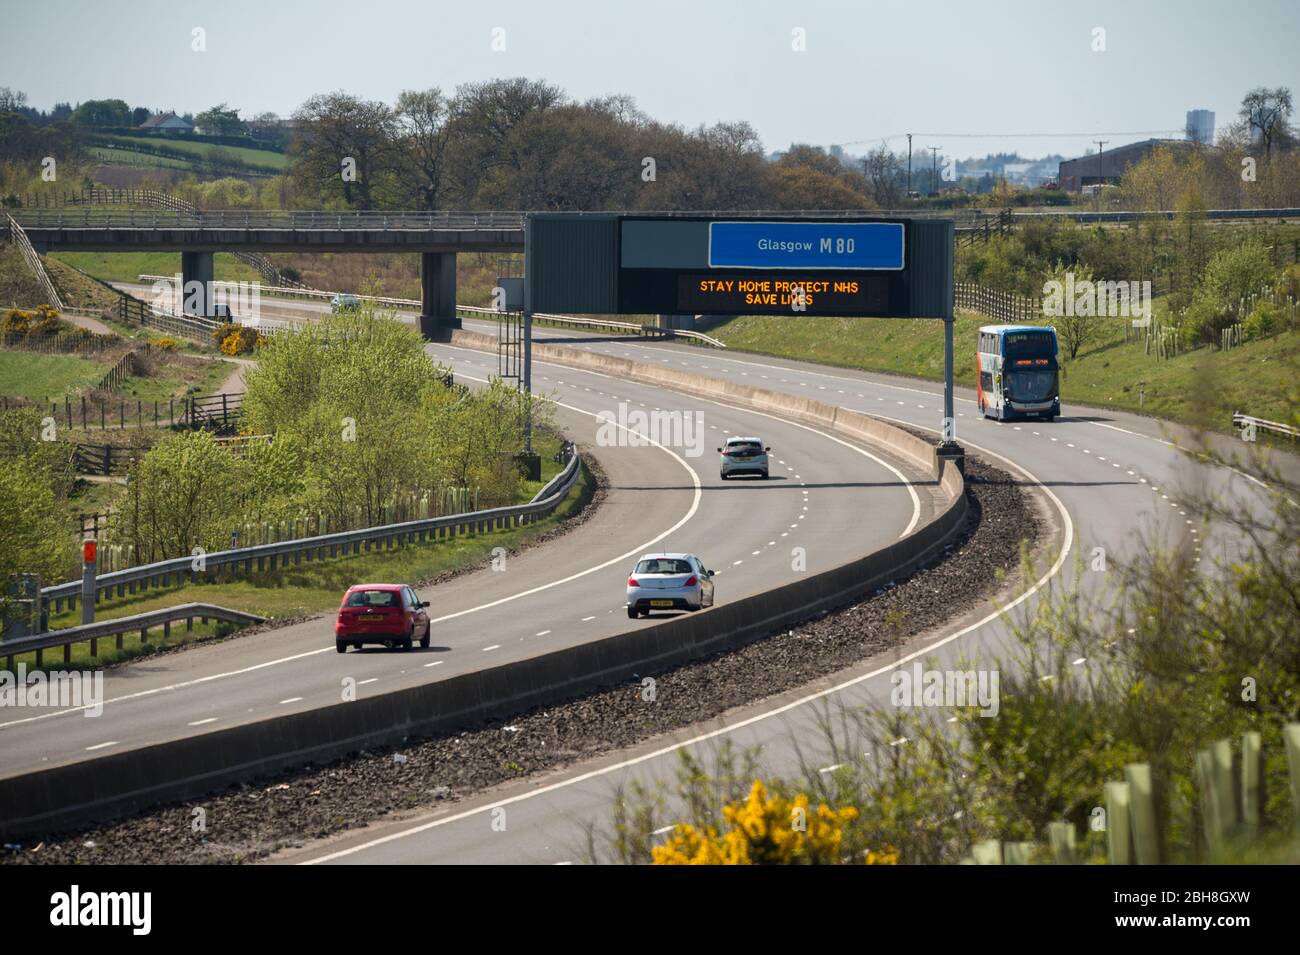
x,y
438,295
196,267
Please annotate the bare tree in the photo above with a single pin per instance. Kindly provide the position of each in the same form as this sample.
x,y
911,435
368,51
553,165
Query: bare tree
x,y
885,171
423,119
1265,114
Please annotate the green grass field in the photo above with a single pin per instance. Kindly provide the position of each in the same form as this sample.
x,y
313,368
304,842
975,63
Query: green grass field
x,y
1107,373
258,158
129,266
37,377
126,157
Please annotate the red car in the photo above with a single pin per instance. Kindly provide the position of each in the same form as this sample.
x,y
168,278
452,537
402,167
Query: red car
x,y
390,614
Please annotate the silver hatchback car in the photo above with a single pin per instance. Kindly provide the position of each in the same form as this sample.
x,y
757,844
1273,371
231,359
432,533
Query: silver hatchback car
x,y
668,582
743,456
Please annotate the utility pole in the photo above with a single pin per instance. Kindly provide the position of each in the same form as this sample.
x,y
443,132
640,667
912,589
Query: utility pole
x,y
909,165
934,167
1101,146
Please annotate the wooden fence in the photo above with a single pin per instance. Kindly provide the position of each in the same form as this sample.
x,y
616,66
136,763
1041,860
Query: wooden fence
x,y
126,366
74,341
134,311
104,460
218,412
1006,307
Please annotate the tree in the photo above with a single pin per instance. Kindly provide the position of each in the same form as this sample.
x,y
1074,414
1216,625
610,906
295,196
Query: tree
x,y
482,118
368,419
1152,183
221,121
423,119
1076,322
33,537
183,493
566,157
12,101
803,187
102,112
346,148
1265,114
35,478
886,174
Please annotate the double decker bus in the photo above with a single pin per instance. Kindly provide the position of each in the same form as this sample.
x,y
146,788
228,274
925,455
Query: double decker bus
x,y
1017,372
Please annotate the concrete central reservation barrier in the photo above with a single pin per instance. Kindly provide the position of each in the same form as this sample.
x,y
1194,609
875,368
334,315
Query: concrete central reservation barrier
x,y
122,782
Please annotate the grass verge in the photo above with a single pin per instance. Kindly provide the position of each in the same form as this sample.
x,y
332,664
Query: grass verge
x,y
306,589
1109,372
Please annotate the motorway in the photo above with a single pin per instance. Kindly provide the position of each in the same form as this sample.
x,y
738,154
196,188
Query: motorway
x,y
836,499
1107,477
1111,479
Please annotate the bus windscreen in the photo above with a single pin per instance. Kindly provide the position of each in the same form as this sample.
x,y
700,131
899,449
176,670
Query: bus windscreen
x,y
1034,344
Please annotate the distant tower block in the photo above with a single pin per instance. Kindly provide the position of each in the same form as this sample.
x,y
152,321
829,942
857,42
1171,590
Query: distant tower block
x,y
1200,126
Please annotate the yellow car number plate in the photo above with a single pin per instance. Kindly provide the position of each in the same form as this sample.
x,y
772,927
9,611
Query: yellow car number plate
x,y
661,603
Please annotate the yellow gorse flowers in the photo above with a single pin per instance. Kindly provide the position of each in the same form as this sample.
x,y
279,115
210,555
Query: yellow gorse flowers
x,y
766,830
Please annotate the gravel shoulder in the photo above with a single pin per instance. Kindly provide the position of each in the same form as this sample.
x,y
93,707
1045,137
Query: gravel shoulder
x,y
253,821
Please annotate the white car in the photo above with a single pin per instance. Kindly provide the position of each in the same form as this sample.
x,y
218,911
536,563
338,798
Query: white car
x,y
668,582
743,456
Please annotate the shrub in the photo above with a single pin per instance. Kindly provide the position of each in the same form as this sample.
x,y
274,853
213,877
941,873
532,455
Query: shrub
x,y
166,344
224,331
1206,318
765,830
1262,321
235,339
241,341
1234,274
47,323
17,322
1288,283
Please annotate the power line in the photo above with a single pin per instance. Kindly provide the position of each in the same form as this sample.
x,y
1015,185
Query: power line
x,y
1088,134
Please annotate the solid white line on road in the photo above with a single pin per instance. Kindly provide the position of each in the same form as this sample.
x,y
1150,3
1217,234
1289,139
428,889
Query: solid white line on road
x,y
111,742
210,719
542,633
495,646
373,679
292,699
434,663
585,619
1067,545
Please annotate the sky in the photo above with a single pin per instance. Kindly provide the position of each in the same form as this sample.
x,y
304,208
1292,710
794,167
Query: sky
x,y
969,77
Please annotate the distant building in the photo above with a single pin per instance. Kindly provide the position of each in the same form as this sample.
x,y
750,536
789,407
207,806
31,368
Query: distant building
x,y
1200,126
166,123
1074,174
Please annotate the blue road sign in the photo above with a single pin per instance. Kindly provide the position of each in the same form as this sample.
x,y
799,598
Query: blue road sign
x,y
806,245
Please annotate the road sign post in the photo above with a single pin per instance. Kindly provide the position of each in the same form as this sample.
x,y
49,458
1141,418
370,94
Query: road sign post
x,y
89,556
